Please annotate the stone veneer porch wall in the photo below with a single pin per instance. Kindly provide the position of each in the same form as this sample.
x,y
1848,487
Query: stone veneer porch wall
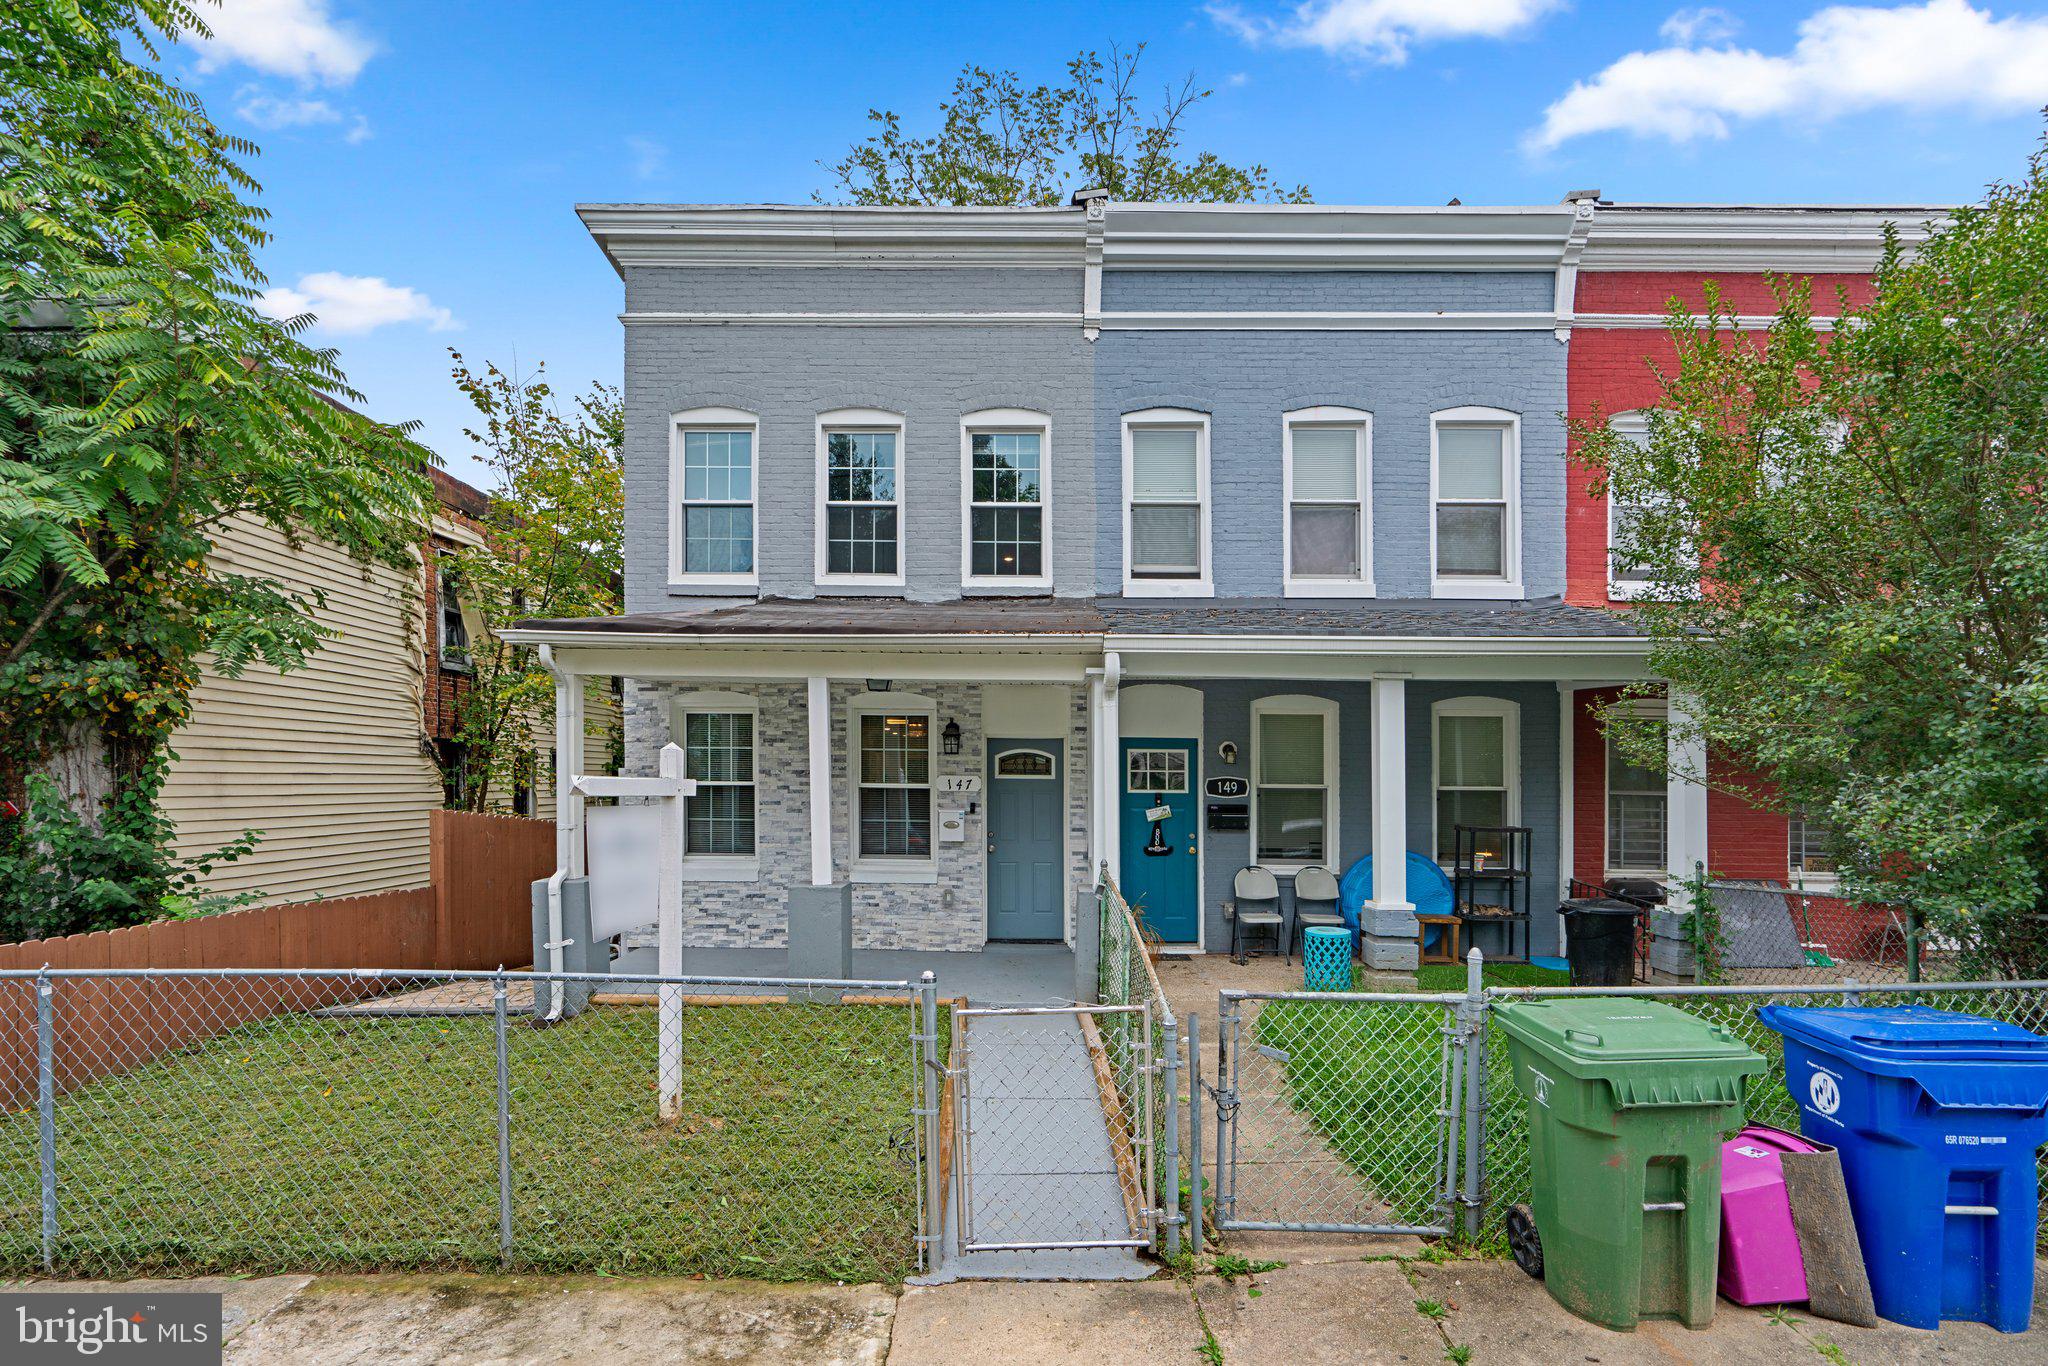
x,y
950,914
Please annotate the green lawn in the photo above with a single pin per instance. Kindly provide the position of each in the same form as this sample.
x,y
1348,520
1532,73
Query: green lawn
x,y
1439,977
363,1144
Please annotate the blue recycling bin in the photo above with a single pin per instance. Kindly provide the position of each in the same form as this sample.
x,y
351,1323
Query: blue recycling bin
x,y
1937,1115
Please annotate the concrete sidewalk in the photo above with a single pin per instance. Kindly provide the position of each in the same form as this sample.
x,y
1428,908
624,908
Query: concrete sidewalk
x,y
1342,1306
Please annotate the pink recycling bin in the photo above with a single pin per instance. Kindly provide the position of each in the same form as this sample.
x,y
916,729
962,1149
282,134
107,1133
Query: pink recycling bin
x,y
1760,1261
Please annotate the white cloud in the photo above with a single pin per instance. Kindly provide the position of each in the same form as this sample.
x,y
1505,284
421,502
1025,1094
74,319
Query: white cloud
x,y
354,303
1943,54
1382,30
1707,24
266,110
650,157
296,38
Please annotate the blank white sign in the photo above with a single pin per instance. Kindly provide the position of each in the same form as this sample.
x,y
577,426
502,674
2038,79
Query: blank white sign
x,y
625,858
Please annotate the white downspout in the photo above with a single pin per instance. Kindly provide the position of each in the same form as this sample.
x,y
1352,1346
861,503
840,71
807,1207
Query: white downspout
x,y
568,814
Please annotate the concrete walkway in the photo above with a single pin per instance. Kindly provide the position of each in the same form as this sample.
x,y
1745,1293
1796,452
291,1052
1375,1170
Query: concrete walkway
x,y
1338,1309
1042,1161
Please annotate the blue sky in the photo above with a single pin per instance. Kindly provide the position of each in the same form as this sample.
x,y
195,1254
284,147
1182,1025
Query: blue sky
x,y
421,160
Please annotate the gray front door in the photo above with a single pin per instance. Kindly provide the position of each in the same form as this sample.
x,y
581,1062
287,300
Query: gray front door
x,y
1025,803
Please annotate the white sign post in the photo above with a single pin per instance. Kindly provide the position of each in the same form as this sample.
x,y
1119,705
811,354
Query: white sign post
x,y
669,789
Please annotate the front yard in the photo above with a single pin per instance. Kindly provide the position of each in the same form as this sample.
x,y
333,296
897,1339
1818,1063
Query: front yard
x,y
365,1143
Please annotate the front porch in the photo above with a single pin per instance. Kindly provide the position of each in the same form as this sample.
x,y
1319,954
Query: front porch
x,y
963,768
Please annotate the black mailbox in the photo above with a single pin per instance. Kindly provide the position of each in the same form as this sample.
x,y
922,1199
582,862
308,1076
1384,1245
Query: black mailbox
x,y
1230,816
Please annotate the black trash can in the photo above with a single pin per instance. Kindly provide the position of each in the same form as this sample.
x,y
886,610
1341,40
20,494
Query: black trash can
x,y
1600,941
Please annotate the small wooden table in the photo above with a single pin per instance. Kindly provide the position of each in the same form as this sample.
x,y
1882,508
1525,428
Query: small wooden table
x,y
1446,950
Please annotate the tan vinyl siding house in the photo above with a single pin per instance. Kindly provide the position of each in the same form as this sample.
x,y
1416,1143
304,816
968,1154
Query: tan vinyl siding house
x,y
327,761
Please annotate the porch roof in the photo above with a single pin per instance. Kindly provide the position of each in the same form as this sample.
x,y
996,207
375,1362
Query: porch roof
x,y
1103,618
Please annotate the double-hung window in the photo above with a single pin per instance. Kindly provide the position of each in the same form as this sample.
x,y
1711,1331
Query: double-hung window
x,y
453,639
1638,809
711,484
1810,851
1166,504
718,751
1476,767
893,803
1475,528
1294,764
861,486
1005,471
1625,580
1329,508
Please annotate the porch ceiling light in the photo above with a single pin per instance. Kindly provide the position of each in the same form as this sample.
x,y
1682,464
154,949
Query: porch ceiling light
x,y
949,738
878,685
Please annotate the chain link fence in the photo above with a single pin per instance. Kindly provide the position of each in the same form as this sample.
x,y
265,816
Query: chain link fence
x,y
1336,1111
1145,1051
179,1123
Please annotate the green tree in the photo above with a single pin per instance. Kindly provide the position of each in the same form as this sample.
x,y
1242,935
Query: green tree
x,y
1000,142
144,402
1873,634
552,549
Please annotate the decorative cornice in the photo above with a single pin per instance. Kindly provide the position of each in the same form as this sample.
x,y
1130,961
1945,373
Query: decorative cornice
x,y
1317,237
793,235
1703,237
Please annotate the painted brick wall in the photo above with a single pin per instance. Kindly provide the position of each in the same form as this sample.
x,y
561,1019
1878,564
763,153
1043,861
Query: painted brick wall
x,y
1247,380
1340,291
852,289
1226,715
1651,291
1611,373
789,375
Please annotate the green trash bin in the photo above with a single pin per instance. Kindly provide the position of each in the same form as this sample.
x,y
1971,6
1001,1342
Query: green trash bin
x,y
1628,1103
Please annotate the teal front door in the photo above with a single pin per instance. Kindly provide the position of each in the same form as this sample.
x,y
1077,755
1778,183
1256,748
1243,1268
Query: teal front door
x,y
1025,818
1160,824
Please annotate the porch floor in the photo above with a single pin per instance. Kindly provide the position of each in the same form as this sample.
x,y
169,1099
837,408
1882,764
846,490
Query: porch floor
x,y
999,974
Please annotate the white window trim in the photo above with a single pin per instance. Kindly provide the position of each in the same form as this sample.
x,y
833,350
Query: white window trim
x,y
862,420
709,420
1327,416
1295,705
889,867
720,867
1647,707
1006,420
1203,584
446,587
1509,586
1510,713
1820,884
1620,590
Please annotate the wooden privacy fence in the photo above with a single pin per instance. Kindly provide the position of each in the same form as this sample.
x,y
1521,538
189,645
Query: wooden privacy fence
x,y
476,915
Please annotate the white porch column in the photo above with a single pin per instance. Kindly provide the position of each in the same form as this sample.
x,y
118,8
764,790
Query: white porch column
x,y
1111,768
1685,793
818,709
1390,792
1098,842
569,725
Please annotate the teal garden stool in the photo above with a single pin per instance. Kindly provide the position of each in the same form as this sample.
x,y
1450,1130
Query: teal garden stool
x,y
1326,958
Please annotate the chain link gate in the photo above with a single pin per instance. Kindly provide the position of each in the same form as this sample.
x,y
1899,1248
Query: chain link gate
x,y
1347,1112
1054,1127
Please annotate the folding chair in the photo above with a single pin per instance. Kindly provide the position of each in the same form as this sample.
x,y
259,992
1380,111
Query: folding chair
x,y
1256,906
1315,902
